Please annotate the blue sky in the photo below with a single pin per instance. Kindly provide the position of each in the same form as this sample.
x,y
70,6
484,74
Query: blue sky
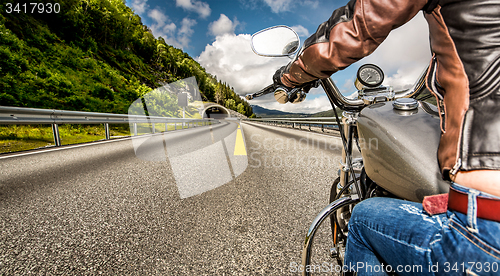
x,y
217,33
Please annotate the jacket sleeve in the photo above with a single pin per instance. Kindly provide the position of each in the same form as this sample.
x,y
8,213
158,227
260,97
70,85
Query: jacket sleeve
x,y
352,32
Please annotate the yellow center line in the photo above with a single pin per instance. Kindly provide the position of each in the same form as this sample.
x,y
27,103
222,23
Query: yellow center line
x,y
239,145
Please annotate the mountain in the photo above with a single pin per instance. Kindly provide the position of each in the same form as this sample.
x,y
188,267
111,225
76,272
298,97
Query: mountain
x,y
268,113
327,113
93,55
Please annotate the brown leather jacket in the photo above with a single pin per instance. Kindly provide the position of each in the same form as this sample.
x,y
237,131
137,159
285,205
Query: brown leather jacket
x,y
464,74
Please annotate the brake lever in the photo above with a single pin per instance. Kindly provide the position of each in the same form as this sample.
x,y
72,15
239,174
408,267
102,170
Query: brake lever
x,y
267,90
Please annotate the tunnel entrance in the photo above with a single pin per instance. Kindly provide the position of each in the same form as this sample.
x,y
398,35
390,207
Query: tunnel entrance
x,y
216,112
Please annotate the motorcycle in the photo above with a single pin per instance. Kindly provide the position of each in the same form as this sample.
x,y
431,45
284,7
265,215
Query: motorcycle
x,y
399,130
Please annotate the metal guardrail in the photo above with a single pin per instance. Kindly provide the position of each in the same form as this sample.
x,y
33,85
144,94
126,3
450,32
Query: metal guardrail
x,y
293,122
35,116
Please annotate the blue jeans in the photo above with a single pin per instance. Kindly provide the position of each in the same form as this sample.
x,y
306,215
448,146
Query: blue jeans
x,y
394,235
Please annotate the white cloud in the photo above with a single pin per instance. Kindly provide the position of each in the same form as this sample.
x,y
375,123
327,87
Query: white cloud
x,y
231,58
178,37
404,54
159,17
311,4
186,26
278,6
202,8
162,27
169,29
222,26
139,6
185,32
301,30
250,4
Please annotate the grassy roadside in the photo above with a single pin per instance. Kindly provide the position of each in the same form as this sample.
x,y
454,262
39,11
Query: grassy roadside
x,y
25,137
15,138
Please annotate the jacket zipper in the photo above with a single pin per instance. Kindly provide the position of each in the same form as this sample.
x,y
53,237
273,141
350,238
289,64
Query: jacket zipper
x,y
456,167
442,113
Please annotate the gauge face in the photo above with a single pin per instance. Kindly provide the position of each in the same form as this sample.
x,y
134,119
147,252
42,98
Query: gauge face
x,y
370,75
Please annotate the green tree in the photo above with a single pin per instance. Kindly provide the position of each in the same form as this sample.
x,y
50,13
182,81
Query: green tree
x,y
240,108
231,104
95,55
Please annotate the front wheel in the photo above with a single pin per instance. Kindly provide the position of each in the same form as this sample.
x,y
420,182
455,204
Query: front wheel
x,y
319,259
339,224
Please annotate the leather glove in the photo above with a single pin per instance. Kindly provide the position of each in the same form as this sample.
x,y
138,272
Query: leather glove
x,y
277,81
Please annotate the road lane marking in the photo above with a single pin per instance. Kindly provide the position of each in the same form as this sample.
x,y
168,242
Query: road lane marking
x,y
239,146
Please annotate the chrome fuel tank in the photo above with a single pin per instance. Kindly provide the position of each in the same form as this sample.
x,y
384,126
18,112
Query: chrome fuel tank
x,y
399,150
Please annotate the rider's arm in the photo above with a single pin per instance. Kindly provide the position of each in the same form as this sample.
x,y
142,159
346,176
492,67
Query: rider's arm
x,y
352,32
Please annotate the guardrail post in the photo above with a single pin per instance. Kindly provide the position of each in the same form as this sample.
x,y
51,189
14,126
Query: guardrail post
x,y
166,127
135,129
323,127
106,130
153,126
309,127
55,132
175,126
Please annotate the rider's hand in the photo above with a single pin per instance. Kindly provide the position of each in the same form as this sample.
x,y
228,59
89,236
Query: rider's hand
x,y
277,79
277,82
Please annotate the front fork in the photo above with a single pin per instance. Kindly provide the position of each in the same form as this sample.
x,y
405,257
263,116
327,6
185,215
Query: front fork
x,y
348,197
349,121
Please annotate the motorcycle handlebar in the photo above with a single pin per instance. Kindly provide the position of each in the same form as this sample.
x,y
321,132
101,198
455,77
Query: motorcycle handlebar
x,y
337,99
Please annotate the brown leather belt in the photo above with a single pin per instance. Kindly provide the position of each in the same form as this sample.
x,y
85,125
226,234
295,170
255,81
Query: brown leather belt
x,y
487,208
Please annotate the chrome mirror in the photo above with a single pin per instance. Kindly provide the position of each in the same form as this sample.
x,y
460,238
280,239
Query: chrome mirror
x,y
278,41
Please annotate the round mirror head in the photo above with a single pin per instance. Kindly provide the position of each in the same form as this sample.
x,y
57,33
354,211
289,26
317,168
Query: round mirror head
x,y
276,41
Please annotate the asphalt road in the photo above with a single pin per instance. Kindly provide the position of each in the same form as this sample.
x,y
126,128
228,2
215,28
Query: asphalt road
x,y
133,207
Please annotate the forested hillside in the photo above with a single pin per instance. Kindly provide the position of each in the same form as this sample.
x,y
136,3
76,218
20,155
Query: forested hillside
x,y
94,55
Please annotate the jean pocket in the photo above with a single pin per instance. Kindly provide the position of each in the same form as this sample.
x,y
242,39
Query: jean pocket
x,y
480,254
476,240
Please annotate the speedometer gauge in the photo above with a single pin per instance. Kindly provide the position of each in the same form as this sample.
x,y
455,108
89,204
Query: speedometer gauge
x,y
369,75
